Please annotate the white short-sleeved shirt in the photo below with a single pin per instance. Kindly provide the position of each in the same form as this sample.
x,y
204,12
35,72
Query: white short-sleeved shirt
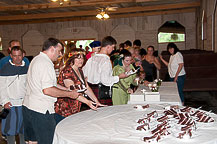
x,y
41,75
173,65
99,69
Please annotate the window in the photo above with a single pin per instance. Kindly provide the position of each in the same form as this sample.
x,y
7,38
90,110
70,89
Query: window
x,y
83,43
79,43
171,31
170,37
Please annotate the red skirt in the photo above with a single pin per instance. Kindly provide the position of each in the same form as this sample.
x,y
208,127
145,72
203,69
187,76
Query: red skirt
x,y
95,89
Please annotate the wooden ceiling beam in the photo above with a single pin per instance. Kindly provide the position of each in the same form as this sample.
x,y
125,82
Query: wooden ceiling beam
x,y
93,12
48,15
94,18
158,7
67,4
154,13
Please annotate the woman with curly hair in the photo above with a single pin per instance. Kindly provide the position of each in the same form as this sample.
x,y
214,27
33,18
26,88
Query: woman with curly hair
x,y
72,77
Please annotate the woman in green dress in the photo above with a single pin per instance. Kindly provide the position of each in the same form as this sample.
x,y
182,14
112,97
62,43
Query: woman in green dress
x,y
121,91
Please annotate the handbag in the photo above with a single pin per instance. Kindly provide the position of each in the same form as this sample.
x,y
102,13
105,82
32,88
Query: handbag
x,y
105,92
4,113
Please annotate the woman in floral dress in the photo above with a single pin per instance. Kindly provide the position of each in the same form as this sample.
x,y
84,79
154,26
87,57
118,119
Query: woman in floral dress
x,y
72,77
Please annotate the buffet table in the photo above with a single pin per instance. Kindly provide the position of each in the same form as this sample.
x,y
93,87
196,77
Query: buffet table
x,y
168,93
117,125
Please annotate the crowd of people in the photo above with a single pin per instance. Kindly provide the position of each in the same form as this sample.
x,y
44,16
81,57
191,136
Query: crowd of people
x,y
38,97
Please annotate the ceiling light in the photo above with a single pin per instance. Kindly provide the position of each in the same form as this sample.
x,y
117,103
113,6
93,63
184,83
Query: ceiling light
x,y
99,16
102,15
61,2
106,16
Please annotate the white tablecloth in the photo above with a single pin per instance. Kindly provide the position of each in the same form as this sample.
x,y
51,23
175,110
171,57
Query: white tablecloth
x,y
117,125
168,94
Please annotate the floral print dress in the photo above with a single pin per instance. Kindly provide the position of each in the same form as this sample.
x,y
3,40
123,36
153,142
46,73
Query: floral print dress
x,y
66,106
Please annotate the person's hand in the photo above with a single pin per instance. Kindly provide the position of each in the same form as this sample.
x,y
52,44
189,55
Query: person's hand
x,y
75,94
175,79
8,105
138,63
137,80
160,56
123,75
130,91
99,104
92,105
146,83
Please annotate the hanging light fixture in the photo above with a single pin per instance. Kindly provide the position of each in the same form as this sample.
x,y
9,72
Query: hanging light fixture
x,y
61,2
102,15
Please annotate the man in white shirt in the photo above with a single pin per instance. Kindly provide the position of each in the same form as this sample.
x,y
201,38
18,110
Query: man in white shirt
x,y
12,92
42,91
98,68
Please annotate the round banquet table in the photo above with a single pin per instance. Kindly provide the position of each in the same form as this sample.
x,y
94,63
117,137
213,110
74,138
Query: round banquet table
x,y
117,125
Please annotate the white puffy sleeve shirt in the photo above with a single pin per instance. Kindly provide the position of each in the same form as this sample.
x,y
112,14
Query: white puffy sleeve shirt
x,y
13,83
41,75
99,69
173,65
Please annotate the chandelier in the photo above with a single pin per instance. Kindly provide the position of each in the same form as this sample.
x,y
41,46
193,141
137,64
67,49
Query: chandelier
x,y
61,2
102,15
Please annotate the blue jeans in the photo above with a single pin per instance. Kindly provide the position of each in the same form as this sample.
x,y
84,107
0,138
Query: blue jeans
x,y
13,123
180,84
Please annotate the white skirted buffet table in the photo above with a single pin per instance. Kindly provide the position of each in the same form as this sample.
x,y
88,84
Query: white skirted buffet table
x,y
119,125
168,94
